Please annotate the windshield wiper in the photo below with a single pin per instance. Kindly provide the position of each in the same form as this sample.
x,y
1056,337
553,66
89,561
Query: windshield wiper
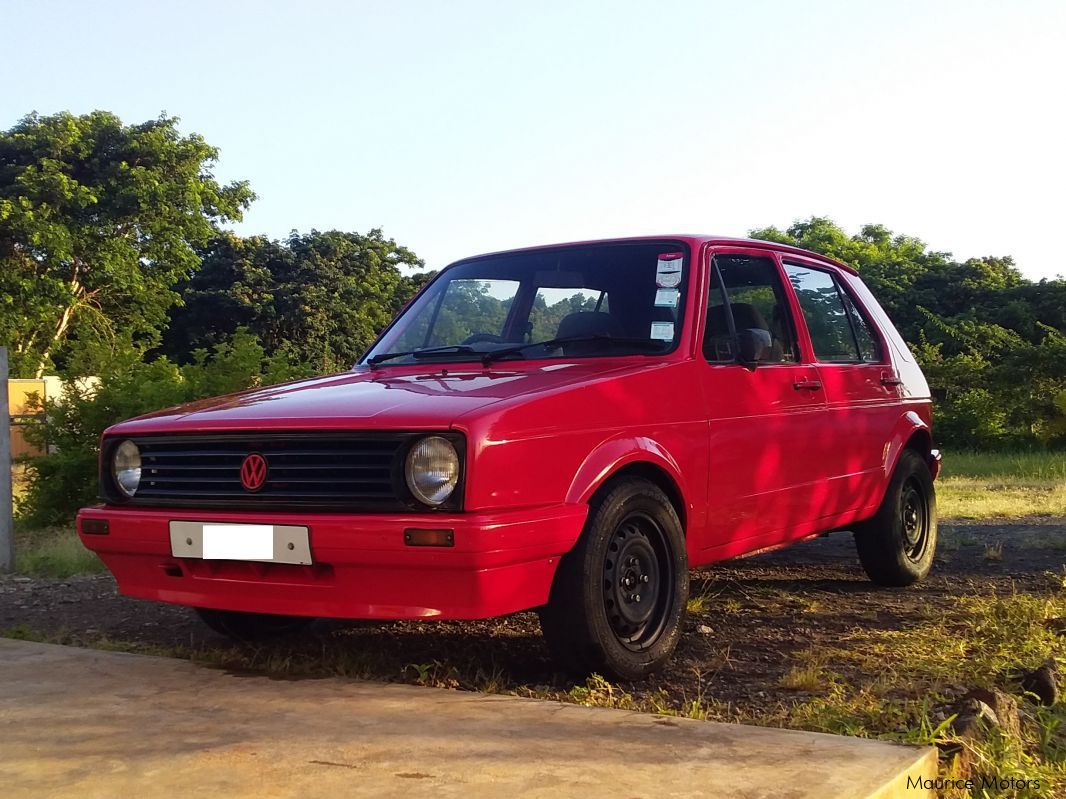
x,y
429,352
495,355
602,338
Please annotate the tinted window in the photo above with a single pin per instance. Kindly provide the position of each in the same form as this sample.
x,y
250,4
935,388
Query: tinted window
x,y
610,299
550,305
869,346
468,307
718,345
823,309
756,300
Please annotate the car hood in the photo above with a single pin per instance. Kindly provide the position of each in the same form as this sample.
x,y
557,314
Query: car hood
x,y
383,398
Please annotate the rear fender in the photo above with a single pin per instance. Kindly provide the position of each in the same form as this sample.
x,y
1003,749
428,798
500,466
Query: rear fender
x,y
908,425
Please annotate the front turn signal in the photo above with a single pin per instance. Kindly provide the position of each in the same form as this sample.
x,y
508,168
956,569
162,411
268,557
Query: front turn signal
x,y
429,538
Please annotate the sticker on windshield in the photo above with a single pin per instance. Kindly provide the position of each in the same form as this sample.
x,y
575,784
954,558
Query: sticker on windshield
x,y
666,298
668,270
662,331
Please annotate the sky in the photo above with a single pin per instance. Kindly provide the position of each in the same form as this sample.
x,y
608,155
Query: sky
x,y
463,127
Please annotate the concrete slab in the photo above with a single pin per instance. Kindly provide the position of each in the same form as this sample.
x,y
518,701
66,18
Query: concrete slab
x,y
77,722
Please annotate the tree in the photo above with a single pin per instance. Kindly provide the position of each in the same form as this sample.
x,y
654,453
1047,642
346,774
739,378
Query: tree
x,y
98,222
319,298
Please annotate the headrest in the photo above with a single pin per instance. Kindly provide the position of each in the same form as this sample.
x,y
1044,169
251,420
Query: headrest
x,y
588,323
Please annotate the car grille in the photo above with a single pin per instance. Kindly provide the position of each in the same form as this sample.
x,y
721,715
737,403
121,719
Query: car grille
x,y
327,470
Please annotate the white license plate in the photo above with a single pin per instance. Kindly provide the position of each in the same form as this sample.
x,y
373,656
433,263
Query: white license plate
x,y
264,543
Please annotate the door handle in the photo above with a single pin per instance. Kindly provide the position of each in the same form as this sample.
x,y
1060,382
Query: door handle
x,y
890,380
808,385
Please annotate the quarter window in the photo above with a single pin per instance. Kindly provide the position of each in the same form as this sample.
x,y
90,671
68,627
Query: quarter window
x,y
839,333
869,346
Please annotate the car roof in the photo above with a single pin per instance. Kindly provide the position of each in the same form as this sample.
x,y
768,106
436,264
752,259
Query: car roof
x,y
695,240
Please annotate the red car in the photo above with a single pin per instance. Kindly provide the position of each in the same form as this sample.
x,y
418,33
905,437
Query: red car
x,y
568,428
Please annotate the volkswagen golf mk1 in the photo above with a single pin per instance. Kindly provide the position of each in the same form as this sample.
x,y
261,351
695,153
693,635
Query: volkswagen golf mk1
x,y
566,428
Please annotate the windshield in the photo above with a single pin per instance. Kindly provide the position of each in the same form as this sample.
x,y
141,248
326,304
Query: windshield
x,y
582,301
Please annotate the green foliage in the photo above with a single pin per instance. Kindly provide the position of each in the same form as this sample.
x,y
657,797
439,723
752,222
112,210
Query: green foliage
x,y
66,479
319,298
98,223
56,552
992,344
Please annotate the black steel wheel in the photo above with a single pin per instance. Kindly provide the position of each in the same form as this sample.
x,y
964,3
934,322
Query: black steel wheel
x,y
897,545
618,600
638,573
914,518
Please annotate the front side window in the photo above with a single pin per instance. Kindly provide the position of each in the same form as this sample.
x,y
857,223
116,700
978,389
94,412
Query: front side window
x,y
839,333
582,301
756,299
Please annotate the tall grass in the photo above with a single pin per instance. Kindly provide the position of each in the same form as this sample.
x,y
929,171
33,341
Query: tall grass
x,y
54,552
1002,485
1013,465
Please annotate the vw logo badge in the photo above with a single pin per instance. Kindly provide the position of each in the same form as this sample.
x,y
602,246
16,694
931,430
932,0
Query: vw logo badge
x,y
253,472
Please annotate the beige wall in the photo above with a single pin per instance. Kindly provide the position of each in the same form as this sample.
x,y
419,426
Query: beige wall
x,y
19,393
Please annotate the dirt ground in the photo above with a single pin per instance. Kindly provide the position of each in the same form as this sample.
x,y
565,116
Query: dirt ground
x,y
756,612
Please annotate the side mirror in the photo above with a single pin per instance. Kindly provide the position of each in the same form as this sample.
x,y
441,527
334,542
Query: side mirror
x,y
753,345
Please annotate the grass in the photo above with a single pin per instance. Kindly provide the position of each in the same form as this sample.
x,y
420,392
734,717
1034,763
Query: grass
x,y
810,677
54,552
979,485
700,603
909,676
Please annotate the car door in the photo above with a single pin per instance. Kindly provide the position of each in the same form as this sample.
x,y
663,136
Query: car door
x,y
765,423
861,386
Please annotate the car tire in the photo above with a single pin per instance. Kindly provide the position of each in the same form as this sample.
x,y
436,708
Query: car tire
x,y
252,627
618,601
896,546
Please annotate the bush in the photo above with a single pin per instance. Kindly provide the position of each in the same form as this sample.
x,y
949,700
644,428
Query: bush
x,y
66,479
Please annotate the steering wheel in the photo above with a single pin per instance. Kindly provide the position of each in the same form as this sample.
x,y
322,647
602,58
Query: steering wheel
x,y
477,338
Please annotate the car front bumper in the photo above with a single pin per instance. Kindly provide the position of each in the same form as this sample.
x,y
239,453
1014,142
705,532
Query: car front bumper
x,y
500,562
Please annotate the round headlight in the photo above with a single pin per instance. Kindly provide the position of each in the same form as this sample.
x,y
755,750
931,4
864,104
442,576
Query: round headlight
x,y
126,467
432,470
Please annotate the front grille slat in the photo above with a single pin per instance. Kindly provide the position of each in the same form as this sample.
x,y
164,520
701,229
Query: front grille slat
x,y
327,470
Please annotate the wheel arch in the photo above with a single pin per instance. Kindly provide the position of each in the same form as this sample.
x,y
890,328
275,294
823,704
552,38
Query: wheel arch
x,y
912,433
921,441
633,457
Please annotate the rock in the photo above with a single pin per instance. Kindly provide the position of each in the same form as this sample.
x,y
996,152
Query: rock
x,y
974,717
703,629
976,714
1042,682
984,708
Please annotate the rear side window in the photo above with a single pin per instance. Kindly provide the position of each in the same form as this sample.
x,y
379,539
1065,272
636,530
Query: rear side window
x,y
839,332
756,299
869,346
